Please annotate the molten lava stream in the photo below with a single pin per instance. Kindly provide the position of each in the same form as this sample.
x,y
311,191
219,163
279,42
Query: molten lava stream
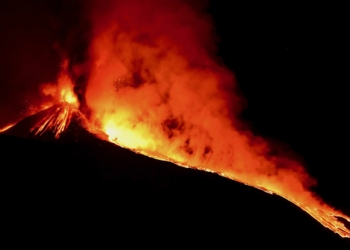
x,y
304,199
58,120
243,161
6,127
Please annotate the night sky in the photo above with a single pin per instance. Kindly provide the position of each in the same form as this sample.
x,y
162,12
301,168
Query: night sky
x,y
290,62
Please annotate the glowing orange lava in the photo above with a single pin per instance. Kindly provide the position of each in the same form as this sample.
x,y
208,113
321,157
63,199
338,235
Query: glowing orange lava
x,y
62,90
307,201
56,122
7,127
155,87
159,91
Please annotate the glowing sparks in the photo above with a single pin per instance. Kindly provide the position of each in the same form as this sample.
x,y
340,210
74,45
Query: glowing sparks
x,y
61,92
56,122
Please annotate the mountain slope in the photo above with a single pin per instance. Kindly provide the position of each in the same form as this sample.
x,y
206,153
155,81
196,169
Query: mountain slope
x,y
63,121
96,186
50,160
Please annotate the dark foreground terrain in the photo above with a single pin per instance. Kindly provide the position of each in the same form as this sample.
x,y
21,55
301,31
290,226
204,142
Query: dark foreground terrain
x,y
54,191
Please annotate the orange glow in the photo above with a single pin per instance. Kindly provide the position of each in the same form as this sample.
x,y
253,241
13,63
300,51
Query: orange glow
x,y
6,127
62,94
66,93
155,88
62,90
57,121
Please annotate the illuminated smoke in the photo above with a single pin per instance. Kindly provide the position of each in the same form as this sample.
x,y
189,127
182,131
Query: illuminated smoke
x,y
148,77
154,85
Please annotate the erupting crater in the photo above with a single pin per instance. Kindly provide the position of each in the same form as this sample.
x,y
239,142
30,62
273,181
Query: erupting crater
x,y
151,82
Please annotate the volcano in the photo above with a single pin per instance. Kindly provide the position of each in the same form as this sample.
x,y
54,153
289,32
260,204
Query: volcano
x,y
66,175
62,120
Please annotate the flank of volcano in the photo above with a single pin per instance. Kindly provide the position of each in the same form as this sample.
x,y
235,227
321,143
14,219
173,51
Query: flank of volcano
x,y
65,122
61,121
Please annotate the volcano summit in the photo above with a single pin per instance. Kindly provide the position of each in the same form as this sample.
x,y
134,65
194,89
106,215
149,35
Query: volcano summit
x,y
62,120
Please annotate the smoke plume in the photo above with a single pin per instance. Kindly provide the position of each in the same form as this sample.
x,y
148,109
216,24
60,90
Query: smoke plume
x,y
155,85
146,73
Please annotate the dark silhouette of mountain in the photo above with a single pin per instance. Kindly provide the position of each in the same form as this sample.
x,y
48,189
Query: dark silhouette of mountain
x,y
79,184
63,121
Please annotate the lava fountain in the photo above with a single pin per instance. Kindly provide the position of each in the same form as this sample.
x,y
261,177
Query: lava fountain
x,y
155,86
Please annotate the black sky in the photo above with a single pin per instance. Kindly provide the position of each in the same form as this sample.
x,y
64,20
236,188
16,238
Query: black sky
x,y
290,61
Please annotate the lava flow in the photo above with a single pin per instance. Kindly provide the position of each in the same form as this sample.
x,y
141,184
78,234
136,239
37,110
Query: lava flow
x,y
56,122
154,86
